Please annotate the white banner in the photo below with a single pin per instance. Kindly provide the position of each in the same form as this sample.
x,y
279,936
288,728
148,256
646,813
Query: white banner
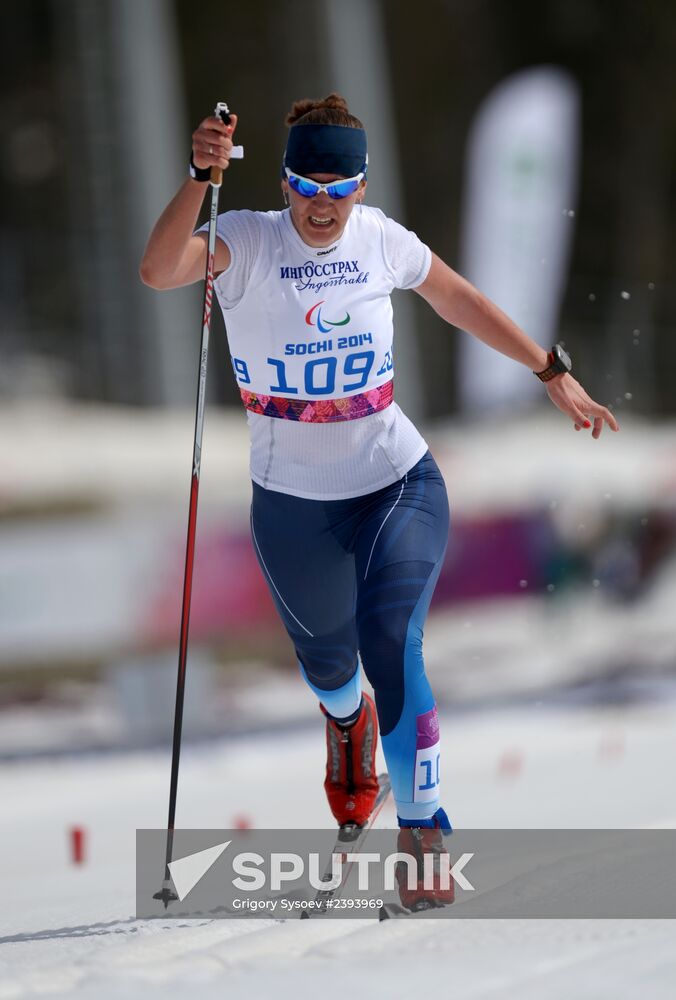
x,y
521,182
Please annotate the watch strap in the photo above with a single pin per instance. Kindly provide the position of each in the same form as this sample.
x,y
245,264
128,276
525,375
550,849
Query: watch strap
x,y
553,368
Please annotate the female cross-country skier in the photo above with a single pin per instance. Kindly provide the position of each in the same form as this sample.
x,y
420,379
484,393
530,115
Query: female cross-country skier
x,y
349,518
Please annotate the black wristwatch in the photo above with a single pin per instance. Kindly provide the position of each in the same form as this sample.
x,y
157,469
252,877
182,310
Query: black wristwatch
x,y
558,362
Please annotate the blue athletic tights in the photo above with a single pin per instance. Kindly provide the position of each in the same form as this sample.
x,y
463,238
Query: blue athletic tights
x,y
354,578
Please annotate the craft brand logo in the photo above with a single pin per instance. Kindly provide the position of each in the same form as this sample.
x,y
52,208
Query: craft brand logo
x,y
324,325
316,275
254,872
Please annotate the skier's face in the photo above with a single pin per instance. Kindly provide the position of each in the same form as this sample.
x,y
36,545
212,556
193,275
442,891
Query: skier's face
x,y
320,220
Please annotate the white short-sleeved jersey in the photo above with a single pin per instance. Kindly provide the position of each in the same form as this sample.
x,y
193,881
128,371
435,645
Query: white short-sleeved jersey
x,y
311,339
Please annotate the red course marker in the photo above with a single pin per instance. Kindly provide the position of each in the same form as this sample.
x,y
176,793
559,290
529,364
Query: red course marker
x,y
510,764
77,845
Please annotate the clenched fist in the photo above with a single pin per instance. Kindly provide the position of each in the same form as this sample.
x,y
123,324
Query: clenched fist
x,y
212,143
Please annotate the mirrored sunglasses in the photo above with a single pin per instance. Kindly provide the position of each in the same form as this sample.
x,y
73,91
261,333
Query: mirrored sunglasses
x,y
335,189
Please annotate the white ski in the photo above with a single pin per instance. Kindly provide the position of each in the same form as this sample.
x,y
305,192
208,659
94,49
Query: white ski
x,y
350,840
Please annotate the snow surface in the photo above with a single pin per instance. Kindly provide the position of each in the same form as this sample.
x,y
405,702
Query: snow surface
x,y
70,931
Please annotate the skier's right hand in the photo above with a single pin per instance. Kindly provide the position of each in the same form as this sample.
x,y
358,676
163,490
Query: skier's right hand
x,y
212,143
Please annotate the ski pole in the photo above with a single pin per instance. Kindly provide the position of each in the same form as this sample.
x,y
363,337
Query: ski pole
x,y
167,893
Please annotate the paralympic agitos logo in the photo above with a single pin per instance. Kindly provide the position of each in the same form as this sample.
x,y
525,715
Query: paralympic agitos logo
x,y
323,325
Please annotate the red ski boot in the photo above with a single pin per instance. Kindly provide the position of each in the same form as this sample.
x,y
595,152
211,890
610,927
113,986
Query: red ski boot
x,y
426,845
351,782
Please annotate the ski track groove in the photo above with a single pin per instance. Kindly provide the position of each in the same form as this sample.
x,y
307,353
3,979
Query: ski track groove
x,y
537,958
157,948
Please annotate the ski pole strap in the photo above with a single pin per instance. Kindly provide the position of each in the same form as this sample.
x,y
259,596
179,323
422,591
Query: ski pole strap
x,y
320,411
198,173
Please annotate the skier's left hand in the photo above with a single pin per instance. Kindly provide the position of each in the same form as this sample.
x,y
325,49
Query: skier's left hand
x,y
568,395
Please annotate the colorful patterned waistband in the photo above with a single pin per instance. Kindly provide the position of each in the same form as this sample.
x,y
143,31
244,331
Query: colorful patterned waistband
x,y
320,411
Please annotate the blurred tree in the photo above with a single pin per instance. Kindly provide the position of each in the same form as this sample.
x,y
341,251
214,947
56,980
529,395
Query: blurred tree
x,y
37,313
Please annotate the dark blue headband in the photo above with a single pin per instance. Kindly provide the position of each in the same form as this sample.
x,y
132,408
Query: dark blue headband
x,y
326,149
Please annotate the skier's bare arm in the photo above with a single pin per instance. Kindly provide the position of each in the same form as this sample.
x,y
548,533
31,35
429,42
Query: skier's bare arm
x,y
173,255
460,303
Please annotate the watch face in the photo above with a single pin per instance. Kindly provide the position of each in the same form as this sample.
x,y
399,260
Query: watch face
x,y
561,356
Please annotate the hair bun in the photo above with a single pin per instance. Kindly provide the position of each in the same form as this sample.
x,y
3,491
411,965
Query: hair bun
x,y
335,101
332,109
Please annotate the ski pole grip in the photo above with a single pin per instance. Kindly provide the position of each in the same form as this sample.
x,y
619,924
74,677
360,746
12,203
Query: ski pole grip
x,y
222,111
